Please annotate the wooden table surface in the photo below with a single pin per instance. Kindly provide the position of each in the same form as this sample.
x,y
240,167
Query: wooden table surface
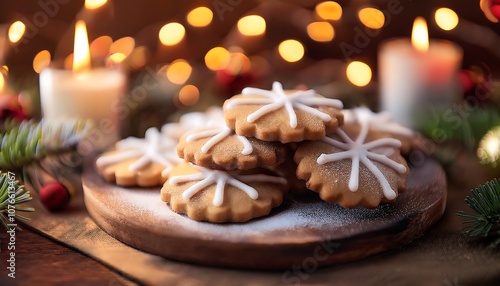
x,y
41,261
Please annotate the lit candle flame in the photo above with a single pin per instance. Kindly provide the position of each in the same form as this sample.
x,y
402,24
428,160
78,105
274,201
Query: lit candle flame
x,y
2,82
81,59
420,35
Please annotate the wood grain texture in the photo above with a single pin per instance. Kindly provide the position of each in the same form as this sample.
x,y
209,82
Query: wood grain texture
x,y
301,229
41,261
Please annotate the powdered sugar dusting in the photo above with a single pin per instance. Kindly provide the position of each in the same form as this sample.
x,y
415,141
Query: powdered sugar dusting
x,y
298,219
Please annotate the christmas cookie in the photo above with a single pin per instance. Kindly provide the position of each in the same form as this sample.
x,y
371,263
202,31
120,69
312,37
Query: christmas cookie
x,y
144,162
355,166
218,196
193,120
221,148
383,123
279,115
287,170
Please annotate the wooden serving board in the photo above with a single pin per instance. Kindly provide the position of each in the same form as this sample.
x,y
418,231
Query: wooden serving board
x,y
303,232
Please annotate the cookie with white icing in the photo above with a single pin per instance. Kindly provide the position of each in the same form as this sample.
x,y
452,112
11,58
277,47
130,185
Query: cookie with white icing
x,y
222,149
218,196
193,120
144,162
354,167
279,115
382,122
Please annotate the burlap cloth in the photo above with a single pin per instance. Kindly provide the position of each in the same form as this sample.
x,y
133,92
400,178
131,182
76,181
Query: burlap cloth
x,y
441,257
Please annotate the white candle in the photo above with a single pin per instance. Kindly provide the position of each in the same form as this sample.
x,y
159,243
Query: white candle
x,y
84,93
418,75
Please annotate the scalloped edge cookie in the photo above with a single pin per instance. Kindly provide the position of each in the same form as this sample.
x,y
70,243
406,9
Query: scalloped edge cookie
x,y
192,190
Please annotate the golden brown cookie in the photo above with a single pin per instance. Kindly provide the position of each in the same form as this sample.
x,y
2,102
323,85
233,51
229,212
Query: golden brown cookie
x,y
382,122
354,167
142,162
285,116
219,196
220,148
287,170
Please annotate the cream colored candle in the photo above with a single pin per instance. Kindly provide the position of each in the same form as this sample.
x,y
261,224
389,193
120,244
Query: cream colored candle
x,y
84,93
417,76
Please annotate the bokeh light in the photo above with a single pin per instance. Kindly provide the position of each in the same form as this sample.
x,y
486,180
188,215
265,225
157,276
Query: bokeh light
x,y
117,58
329,10
252,25
238,64
99,47
321,31
446,19
16,31
189,95
139,57
291,50
217,58
41,61
179,71
200,17
171,34
68,62
372,18
124,46
489,148
94,4
359,73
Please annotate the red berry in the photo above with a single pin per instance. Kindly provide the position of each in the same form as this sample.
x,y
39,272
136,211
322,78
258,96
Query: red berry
x,y
54,196
495,10
466,80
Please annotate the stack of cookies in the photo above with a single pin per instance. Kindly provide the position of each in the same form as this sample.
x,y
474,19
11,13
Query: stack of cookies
x,y
239,162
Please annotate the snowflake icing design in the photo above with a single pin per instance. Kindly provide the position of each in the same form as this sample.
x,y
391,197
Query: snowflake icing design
x,y
153,148
381,121
208,177
277,98
218,134
359,151
212,117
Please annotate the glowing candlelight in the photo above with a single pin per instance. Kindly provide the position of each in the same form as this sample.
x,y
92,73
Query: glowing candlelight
x,y
420,35
81,54
83,92
418,75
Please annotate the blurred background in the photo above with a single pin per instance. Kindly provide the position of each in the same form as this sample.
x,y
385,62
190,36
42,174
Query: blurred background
x,y
198,53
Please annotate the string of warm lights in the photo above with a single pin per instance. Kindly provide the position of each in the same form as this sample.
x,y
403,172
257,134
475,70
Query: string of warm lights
x,y
229,59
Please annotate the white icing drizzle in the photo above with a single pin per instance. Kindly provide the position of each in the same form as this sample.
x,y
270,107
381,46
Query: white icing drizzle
x,y
153,148
277,98
192,120
381,121
218,134
208,177
359,151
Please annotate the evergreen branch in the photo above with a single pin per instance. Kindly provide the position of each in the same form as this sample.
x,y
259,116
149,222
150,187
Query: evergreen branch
x,y
12,194
29,142
485,201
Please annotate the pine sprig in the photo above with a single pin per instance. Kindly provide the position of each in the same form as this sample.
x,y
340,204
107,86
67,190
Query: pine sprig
x,y
29,142
12,194
485,201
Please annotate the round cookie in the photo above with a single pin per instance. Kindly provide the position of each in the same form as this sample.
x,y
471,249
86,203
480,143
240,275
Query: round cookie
x,y
143,162
220,148
219,196
354,167
285,116
382,122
